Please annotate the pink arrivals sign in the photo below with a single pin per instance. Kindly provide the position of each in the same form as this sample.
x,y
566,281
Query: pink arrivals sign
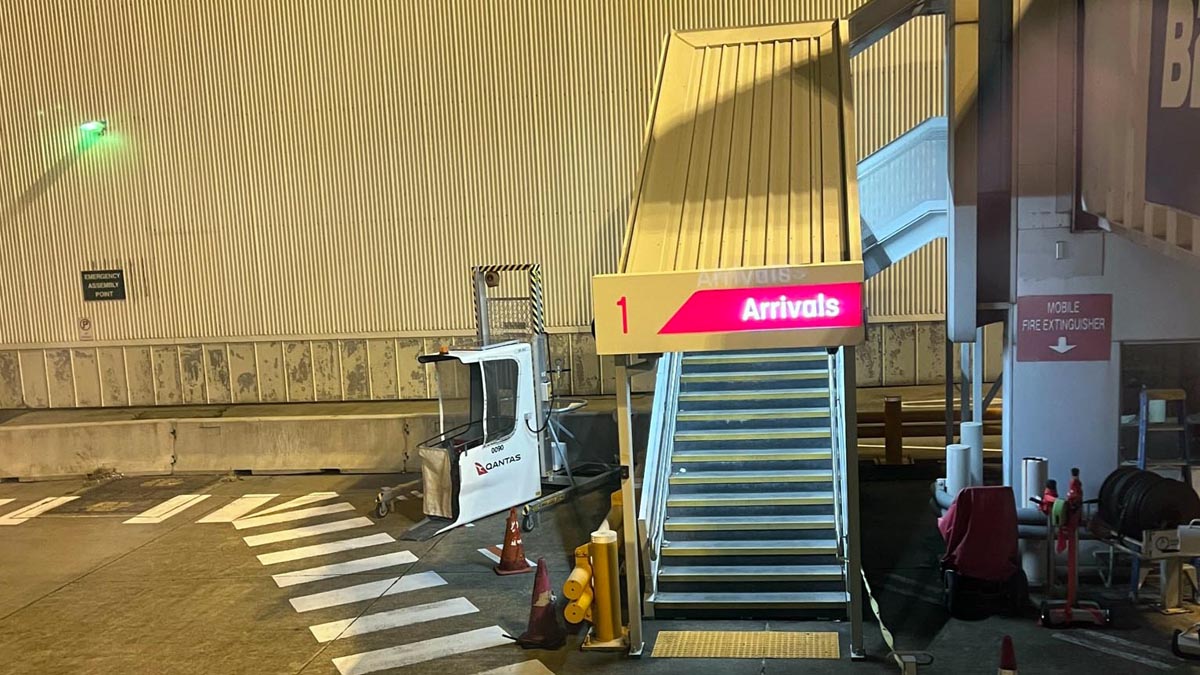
x,y
768,308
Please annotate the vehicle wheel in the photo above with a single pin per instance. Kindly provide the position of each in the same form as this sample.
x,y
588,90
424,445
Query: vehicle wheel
x,y
1018,593
381,508
529,522
950,581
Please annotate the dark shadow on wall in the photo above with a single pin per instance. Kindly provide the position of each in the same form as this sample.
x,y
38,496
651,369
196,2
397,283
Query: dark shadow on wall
x,y
45,181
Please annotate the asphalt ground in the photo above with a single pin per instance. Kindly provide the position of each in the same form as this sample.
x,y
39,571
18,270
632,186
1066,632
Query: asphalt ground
x,y
82,591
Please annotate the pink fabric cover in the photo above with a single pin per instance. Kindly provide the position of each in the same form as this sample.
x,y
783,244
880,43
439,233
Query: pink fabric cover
x,y
980,530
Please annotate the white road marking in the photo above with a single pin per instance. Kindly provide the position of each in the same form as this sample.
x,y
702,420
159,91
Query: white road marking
x,y
419,652
367,591
6,501
493,553
340,569
323,549
1112,651
259,521
172,507
534,667
35,509
307,531
417,493
299,501
1129,644
405,616
236,509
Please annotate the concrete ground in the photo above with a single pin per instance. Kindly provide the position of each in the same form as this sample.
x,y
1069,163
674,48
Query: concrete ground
x,y
83,592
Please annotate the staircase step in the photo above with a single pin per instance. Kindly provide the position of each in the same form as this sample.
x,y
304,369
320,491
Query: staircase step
x,y
826,599
751,414
756,376
752,573
753,394
700,523
752,357
768,455
727,477
720,500
736,547
720,435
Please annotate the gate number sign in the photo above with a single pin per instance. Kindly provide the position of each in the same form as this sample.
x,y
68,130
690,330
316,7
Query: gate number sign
x,y
818,305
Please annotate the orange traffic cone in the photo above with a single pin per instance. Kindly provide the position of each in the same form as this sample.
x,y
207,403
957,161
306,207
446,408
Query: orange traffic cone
x,y
512,558
1008,658
545,631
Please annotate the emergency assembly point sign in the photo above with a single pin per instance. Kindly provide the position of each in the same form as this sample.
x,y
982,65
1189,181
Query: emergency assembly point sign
x,y
1064,327
747,308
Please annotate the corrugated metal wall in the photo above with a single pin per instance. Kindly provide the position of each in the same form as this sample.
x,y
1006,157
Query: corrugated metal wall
x,y
329,168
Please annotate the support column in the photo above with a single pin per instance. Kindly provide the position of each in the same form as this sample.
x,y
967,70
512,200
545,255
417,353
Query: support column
x,y
962,89
633,579
976,378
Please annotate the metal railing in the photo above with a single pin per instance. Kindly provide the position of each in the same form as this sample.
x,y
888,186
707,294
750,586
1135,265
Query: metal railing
x,y
837,435
652,510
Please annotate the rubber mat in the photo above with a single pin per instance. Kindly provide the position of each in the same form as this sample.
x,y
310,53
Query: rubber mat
x,y
746,645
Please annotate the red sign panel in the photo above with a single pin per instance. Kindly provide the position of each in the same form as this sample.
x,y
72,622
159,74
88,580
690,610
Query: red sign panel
x,y
727,310
1064,327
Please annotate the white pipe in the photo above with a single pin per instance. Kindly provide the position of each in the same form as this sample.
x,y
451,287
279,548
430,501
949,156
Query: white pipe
x,y
958,469
1034,472
972,437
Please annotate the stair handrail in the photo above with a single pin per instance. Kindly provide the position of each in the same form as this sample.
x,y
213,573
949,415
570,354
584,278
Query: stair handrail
x,y
840,487
656,474
835,451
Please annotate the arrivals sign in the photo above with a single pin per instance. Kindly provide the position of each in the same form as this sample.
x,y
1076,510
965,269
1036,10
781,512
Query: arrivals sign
x,y
1173,114
749,308
1064,327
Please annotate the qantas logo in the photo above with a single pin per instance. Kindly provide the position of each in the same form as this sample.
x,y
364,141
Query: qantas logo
x,y
484,469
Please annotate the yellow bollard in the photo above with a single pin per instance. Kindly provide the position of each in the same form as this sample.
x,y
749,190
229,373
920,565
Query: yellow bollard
x,y
580,608
579,582
606,582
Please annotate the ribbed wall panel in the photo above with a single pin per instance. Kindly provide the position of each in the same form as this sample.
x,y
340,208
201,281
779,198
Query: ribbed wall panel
x,y
327,168
912,289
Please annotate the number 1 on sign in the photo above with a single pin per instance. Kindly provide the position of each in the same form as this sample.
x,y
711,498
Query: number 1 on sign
x,y
624,315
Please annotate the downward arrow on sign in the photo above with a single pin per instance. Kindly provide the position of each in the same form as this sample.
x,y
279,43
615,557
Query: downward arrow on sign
x,y
1062,347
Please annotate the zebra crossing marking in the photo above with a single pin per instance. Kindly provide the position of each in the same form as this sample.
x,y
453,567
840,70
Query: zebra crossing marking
x,y
344,568
533,667
302,500
172,507
307,531
325,549
396,618
33,510
419,652
368,591
237,508
259,520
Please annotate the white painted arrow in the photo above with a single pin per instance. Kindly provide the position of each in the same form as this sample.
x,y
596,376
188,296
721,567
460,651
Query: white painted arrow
x,y
1062,347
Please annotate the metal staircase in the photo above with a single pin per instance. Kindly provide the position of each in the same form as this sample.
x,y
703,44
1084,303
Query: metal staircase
x,y
750,518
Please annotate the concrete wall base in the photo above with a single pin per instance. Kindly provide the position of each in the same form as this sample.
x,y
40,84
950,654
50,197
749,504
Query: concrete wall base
x,y
309,444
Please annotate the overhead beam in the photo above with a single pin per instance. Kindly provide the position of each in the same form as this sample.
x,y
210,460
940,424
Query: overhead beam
x,y
874,20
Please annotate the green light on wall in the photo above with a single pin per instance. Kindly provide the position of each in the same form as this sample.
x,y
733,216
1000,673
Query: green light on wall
x,y
94,127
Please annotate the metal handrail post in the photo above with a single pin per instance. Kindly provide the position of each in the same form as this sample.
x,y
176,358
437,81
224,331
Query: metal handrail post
x,y
854,559
628,472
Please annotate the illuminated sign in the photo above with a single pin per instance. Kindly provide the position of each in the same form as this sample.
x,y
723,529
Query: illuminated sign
x,y
776,307
769,308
